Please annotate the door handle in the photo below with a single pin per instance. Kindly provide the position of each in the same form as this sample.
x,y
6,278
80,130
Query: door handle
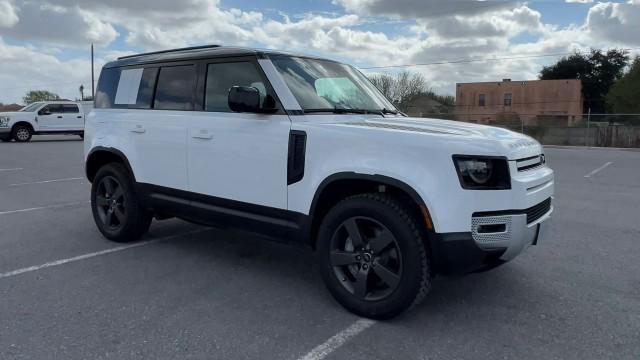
x,y
138,130
202,135
59,116
79,117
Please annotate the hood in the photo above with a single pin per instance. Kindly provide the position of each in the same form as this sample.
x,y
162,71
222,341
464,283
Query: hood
x,y
510,143
18,114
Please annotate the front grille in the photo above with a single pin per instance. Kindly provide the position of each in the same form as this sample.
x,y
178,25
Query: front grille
x,y
537,211
530,163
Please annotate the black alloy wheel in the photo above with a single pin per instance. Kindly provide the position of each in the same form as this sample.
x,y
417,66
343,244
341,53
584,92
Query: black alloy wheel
x,y
110,203
373,255
117,211
366,258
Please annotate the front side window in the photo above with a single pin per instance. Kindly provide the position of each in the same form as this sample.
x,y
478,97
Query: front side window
x,y
175,87
222,76
326,85
481,100
51,109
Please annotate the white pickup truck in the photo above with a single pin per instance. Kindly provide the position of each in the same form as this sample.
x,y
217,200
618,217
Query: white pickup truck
x,y
47,117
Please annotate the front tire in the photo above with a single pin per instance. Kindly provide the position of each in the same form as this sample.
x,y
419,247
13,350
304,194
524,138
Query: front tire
x,y
116,209
373,257
22,133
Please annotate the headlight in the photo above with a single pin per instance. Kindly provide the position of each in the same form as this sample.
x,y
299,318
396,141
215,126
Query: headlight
x,y
4,121
482,172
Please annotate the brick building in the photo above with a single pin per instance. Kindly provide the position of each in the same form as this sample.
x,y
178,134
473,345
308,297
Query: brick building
x,y
535,102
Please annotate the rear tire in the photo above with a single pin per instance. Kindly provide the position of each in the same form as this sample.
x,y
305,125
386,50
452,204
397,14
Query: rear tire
x,y
22,133
116,209
373,257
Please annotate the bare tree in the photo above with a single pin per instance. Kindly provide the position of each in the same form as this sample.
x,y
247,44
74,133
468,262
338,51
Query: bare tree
x,y
400,87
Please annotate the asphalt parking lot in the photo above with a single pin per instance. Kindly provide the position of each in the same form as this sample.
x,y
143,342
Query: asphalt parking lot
x,y
188,292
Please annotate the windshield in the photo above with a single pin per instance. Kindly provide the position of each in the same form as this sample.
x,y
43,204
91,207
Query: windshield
x,y
326,85
31,107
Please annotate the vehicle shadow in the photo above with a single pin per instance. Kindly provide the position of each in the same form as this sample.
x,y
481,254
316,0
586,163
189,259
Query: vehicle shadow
x,y
295,265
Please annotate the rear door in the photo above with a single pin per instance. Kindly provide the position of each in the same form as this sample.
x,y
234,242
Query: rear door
x,y
51,118
73,118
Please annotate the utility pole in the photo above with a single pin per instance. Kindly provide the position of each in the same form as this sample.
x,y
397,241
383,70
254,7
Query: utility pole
x,y
93,91
586,140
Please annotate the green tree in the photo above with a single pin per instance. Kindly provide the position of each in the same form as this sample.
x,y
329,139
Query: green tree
x,y
597,70
624,96
39,95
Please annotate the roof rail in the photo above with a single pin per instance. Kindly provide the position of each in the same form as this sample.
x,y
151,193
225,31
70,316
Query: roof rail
x,y
171,50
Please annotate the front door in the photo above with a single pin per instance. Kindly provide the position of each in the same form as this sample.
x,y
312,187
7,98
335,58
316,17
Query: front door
x,y
51,118
240,157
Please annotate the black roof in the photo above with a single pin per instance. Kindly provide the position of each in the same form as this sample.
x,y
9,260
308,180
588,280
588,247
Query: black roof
x,y
195,52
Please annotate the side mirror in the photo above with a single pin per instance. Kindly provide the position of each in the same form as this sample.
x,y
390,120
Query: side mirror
x,y
244,99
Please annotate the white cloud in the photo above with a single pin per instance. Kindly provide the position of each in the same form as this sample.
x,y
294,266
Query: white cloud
x,y
8,16
422,8
29,69
615,22
59,25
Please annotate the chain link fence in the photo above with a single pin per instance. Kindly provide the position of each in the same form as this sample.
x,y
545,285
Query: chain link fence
x,y
599,130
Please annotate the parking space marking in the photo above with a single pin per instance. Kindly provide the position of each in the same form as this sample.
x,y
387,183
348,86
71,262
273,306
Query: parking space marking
x,y
46,181
14,169
598,169
92,255
323,350
44,207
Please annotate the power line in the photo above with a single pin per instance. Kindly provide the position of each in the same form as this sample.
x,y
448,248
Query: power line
x,y
472,60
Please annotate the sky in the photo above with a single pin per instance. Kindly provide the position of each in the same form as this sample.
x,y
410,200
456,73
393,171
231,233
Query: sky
x,y
45,44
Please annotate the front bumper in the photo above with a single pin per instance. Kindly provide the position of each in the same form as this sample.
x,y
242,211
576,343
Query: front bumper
x,y
494,239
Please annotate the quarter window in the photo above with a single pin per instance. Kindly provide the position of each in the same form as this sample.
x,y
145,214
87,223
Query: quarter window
x,y
175,88
222,76
482,100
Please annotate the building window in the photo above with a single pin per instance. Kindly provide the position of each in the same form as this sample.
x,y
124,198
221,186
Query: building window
x,y
481,100
507,99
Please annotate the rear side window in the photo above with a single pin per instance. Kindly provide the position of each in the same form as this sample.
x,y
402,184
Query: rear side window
x,y
70,108
175,88
222,76
126,88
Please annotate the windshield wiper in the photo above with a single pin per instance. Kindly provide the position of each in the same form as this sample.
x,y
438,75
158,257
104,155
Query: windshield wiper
x,y
336,110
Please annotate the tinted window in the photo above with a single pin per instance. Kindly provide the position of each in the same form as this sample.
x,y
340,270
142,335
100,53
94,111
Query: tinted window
x,y
70,108
145,92
221,77
507,99
175,88
107,87
51,108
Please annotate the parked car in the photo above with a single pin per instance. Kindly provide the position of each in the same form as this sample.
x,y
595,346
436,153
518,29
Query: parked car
x,y
307,150
45,117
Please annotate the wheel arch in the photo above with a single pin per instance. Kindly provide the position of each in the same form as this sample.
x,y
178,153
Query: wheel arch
x,y
100,156
23,122
341,185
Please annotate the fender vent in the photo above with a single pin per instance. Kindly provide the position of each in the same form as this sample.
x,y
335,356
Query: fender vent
x,y
295,161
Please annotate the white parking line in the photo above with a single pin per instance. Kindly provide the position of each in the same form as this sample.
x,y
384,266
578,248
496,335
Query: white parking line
x,y
43,207
14,169
323,350
91,255
598,169
46,181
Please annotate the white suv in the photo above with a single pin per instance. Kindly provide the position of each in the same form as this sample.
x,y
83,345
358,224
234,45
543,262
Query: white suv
x,y
45,117
307,150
